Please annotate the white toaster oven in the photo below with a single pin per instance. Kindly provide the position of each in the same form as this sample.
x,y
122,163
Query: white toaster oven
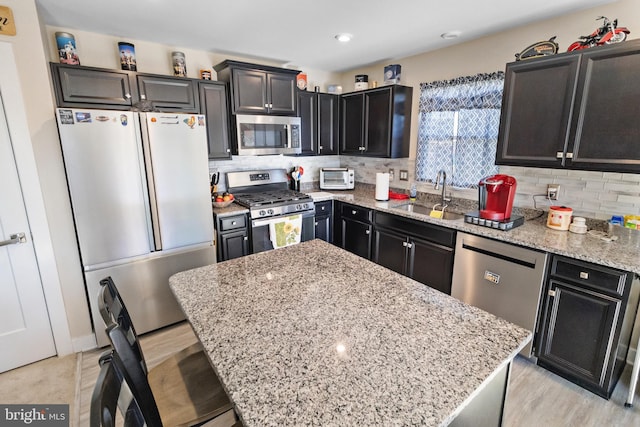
x,y
337,179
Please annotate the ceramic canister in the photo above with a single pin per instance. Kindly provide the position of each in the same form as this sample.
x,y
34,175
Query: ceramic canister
x,y
127,56
179,64
559,217
67,48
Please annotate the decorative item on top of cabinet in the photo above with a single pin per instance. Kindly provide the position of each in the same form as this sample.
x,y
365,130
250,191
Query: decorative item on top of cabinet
x,y
214,104
568,110
259,89
127,53
587,321
320,122
376,122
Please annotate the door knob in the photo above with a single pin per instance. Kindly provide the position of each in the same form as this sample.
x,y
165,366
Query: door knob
x,y
14,239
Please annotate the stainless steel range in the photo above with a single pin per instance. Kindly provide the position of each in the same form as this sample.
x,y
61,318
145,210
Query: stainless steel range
x,y
270,201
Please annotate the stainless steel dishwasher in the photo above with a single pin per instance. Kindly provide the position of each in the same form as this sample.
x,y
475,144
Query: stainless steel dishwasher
x,y
503,279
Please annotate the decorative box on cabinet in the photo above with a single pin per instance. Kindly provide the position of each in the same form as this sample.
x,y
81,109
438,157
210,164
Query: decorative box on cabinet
x,y
259,89
586,323
320,122
573,110
214,104
376,122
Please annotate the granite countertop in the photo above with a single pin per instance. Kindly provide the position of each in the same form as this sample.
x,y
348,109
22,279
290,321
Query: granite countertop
x,y
311,334
232,209
533,234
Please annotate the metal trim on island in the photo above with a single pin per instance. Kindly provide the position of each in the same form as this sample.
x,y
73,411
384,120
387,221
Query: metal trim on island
x,y
314,335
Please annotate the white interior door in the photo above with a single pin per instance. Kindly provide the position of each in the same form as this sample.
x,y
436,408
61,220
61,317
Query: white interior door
x,y
25,331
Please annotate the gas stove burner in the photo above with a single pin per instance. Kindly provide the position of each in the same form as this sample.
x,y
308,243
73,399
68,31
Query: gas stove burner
x,y
270,197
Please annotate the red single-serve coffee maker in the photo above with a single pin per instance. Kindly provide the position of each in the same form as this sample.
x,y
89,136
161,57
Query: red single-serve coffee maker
x,y
495,195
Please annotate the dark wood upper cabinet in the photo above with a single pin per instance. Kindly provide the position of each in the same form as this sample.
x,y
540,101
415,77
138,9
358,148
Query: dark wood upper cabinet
x,y
376,122
215,107
88,87
320,122
257,89
575,110
169,93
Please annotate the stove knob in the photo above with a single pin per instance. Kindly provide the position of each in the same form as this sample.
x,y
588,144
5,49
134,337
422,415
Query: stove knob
x,y
298,207
270,211
262,213
305,206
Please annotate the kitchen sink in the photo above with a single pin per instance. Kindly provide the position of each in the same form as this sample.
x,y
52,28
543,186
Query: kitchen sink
x,y
424,210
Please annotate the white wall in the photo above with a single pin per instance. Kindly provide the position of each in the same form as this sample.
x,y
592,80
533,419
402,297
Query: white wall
x,y
590,194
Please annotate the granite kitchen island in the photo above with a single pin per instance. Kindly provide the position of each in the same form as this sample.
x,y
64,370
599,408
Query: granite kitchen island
x,y
311,334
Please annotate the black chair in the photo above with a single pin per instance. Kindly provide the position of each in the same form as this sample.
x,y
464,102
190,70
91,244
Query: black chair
x,y
112,395
183,388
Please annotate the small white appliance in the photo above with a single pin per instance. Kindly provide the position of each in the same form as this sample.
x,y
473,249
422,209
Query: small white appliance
x,y
337,179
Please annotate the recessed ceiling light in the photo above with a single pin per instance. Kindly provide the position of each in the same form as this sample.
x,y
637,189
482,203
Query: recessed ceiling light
x,y
344,37
450,35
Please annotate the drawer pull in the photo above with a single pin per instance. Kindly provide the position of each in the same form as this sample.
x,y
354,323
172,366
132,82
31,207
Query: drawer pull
x,y
233,223
584,275
353,212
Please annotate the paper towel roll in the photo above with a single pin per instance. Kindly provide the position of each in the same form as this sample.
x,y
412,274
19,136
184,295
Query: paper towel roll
x,y
382,186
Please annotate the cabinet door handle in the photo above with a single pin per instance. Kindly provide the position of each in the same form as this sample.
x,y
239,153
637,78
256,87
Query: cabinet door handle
x,y
559,155
246,238
584,275
266,105
404,244
353,212
409,245
143,96
127,95
228,150
552,293
316,224
322,208
367,232
569,155
319,147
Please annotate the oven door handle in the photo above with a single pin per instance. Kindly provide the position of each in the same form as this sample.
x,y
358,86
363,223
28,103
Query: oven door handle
x,y
261,222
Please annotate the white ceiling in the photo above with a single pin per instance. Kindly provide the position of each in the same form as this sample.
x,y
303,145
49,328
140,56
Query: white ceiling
x,y
301,32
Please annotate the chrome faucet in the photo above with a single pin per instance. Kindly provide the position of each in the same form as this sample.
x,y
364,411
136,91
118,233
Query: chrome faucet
x,y
442,175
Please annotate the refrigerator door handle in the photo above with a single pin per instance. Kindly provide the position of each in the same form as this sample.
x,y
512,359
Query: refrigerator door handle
x,y
153,205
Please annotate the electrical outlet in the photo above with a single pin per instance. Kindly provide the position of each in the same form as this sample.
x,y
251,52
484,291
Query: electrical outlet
x,y
391,174
404,175
552,191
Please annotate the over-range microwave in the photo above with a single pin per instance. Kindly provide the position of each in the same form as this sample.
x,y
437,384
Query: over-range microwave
x,y
337,179
259,135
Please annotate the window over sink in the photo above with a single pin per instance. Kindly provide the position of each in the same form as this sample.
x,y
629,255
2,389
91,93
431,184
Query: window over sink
x,y
458,128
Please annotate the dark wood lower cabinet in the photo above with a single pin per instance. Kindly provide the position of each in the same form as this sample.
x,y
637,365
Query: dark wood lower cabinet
x,y
232,233
324,220
585,312
419,259
421,251
356,237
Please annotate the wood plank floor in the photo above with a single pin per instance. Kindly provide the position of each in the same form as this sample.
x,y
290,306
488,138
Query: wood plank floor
x,y
536,396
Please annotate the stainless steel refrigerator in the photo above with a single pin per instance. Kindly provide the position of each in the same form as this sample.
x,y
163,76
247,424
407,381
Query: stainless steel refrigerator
x,y
139,187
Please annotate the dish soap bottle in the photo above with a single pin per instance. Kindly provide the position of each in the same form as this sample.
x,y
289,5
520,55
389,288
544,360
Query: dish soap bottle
x,y
413,192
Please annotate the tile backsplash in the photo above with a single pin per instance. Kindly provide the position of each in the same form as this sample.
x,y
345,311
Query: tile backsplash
x,y
590,194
